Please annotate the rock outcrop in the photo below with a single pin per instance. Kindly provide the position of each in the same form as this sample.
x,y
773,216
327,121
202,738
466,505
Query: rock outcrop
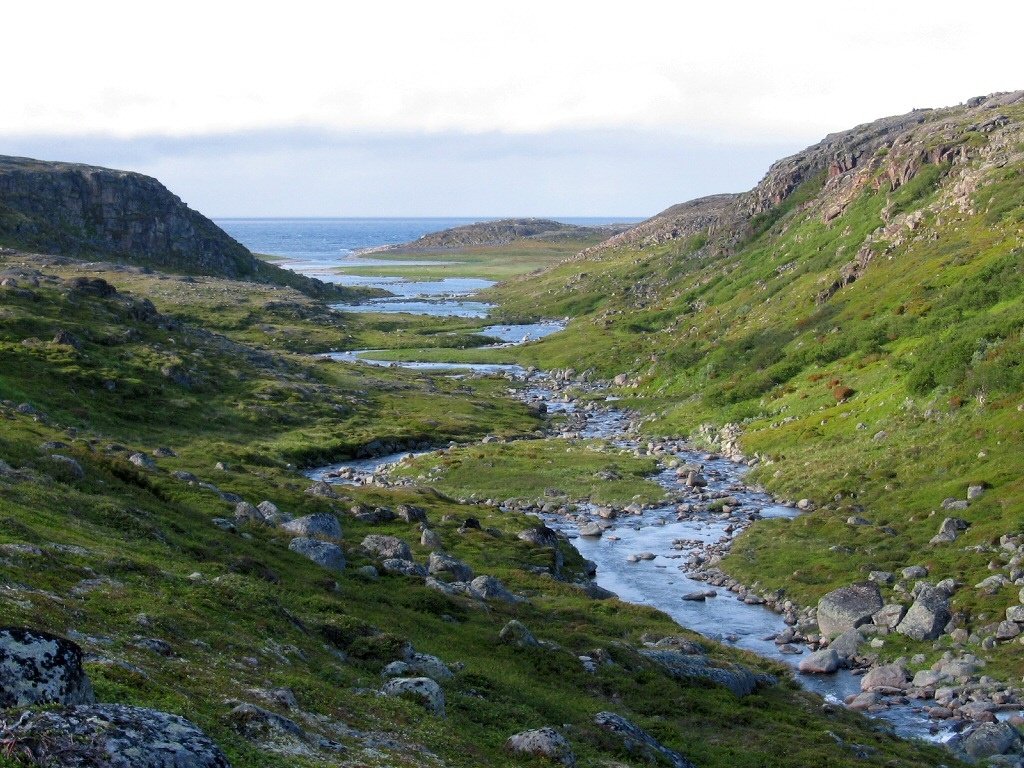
x,y
74,209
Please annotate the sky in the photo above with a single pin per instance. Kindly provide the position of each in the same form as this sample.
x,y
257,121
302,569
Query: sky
x,y
498,108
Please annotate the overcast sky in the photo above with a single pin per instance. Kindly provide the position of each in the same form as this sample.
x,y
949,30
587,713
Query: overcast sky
x,y
477,108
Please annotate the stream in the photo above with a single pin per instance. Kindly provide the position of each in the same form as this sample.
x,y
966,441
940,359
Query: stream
x,y
666,538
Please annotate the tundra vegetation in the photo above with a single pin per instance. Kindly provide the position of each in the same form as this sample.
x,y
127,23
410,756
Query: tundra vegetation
x,y
858,316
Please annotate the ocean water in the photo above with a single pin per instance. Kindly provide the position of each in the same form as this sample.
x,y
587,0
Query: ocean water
x,y
316,245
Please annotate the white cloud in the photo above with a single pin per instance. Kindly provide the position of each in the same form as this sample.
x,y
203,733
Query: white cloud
x,y
738,69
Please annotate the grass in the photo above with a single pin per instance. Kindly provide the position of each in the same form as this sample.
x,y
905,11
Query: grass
x,y
129,553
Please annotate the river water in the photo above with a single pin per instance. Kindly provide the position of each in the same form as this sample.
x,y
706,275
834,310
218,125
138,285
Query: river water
x,y
660,581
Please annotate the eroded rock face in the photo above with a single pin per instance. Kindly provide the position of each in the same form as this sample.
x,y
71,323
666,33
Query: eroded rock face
x,y
116,736
40,668
542,742
848,607
694,666
80,209
540,536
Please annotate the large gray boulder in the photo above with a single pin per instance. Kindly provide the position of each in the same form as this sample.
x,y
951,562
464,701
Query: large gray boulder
x,y
542,742
695,666
848,607
990,739
821,662
320,552
886,677
927,616
439,562
322,524
387,547
516,634
949,530
423,690
540,536
40,668
639,742
490,588
116,736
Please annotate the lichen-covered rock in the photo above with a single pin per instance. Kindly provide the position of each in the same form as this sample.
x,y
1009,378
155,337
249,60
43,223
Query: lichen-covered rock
x,y
990,739
848,607
322,524
439,562
639,742
540,536
927,617
247,513
320,552
949,530
405,567
515,633
490,588
694,666
542,742
422,689
40,668
272,514
115,736
387,547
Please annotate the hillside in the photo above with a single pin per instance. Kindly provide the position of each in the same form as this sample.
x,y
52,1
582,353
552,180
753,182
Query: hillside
x,y
852,327
502,232
84,211
153,511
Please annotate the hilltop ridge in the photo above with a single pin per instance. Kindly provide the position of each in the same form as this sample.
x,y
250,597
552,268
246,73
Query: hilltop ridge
x,y
86,211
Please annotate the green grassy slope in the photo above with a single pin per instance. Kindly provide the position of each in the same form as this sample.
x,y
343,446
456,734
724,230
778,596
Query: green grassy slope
x,y
117,555
859,315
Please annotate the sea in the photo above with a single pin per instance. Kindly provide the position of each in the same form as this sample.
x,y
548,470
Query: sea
x,y
314,245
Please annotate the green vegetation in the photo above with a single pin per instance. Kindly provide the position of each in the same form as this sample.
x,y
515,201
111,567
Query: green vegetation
x,y
115,552
867,337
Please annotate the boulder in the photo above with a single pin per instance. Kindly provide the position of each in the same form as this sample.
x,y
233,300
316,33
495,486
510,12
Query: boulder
x,y
70,466
489,588
39,668
949,530
928,616
889,615
639,742
847,644
545,743
272,514
887,676
442,563
116,736
695,666
387,547
915,572
431,538
411,513
421,689
891,676
591,530
990,739
405,567
247,513
822,662
323,524
1015,613
540,536
516,634
848,607
320,552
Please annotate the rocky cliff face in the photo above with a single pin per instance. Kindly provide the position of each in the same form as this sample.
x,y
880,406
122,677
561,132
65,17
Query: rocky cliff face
x,y
893,149
83,210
